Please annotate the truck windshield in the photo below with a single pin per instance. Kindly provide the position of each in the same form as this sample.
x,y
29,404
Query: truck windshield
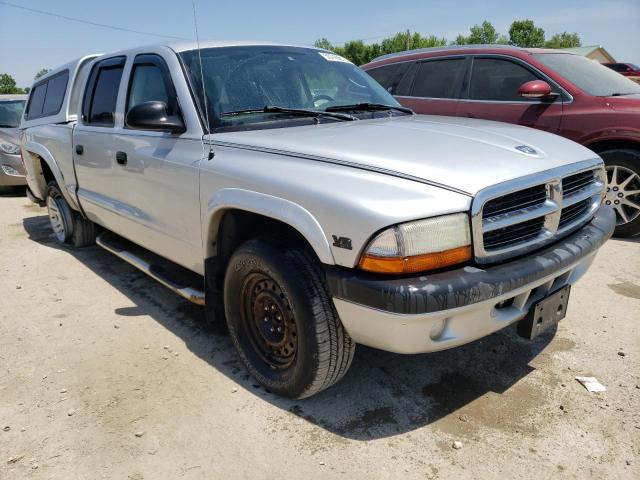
x,y
588,75
241,81
10,113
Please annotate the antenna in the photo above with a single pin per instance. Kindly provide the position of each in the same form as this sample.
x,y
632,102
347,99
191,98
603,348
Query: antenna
x,y
205,105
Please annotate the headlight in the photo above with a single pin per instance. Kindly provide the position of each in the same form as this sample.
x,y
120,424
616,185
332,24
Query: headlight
x,y
418,246
10,148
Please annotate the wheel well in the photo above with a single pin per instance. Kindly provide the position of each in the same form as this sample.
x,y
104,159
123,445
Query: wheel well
x,y
599,147
46,171
236,227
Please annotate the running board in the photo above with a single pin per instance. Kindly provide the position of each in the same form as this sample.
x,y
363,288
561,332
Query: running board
x,y
184,282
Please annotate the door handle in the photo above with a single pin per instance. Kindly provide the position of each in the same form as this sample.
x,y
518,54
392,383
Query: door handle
x,y
79,149
121,158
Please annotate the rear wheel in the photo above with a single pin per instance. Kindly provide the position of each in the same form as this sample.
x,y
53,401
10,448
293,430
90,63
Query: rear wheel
x,y
282,321
623,189
68,225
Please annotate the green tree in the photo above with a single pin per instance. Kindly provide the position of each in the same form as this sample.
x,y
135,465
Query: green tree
x,y
564,40
42,72
8,84
524,33
483,34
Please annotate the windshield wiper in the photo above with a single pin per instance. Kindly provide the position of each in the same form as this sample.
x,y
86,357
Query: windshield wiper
x,y
367,107
617,94
292,111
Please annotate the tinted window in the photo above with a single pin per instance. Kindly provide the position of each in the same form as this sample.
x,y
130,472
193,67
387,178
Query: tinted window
x,y
55,94
389,76
495,79
105,95
590,76
36,102
147,84
618,67
438,78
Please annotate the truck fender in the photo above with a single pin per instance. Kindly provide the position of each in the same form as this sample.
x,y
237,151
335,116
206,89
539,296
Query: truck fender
x,y
277,208
45,155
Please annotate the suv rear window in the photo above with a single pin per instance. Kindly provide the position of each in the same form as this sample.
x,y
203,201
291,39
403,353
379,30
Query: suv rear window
x,y
47,96
438,78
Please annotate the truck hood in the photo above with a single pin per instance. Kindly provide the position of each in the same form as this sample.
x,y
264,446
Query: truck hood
x,y
461,154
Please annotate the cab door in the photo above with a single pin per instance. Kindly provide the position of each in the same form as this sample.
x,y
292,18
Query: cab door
x,y
158,171
100,190
492,94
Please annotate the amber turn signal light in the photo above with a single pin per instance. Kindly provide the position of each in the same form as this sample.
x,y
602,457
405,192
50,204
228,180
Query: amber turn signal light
x,y
417,263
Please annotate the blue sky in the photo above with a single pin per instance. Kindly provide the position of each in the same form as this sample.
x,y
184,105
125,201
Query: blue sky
x,y
30,41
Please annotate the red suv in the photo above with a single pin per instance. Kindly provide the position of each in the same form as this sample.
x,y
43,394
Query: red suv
x,y
552,90
626,69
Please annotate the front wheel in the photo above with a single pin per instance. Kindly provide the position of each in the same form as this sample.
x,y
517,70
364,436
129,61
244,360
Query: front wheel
x,y
623,189
282,321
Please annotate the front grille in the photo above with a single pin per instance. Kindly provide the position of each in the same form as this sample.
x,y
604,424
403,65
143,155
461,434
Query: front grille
x,y
520,232
528,197
573,212
534,215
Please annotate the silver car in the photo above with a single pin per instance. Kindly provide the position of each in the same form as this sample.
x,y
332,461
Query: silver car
x,y
11,168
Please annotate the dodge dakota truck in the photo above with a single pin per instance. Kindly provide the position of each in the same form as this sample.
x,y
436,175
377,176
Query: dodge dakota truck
x,y
288,193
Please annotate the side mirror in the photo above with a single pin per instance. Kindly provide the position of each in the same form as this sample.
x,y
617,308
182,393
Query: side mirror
x,y
535,89
154,116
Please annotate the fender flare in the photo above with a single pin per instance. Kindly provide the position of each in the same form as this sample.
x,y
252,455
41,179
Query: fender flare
x,y
277,208
47,157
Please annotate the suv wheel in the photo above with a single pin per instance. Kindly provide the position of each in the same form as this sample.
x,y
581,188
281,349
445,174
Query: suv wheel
x,y
623,189
282,321
68,226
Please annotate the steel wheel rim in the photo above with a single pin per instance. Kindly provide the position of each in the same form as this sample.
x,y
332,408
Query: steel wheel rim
x,y
623,193
55,219
269,322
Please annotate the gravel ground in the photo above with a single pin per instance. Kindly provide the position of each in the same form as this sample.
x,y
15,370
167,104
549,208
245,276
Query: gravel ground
x,y
105,374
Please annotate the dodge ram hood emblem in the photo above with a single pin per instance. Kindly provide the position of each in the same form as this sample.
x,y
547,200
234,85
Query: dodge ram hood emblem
x,y
527,149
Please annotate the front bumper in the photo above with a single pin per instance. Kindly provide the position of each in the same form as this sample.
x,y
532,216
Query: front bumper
x,y
447,309
12,172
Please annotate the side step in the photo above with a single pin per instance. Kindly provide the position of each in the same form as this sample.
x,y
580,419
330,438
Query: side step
x,y
184,282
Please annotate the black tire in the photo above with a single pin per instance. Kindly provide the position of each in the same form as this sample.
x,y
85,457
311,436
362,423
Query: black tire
x,y
74,229
628,159
320,350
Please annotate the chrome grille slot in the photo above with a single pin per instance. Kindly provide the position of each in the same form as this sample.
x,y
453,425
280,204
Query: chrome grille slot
x,y
572,212
520,232
526,214
515,201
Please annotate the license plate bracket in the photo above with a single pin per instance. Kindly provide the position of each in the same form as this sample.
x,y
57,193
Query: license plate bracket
x,y
545,313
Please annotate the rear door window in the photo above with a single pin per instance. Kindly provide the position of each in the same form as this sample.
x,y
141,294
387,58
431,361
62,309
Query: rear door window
x,y
99,105
438,78
498,80
389,76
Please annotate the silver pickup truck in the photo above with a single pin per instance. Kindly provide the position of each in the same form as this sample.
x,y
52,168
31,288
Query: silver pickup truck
x,y
282,188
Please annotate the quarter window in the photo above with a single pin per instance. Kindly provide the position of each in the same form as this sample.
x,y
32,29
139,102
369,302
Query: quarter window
x,y
438,78
36,102
498,80
55,94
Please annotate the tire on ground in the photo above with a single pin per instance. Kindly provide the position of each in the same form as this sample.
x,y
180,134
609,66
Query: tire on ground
x,y
78,231
629,159
324,350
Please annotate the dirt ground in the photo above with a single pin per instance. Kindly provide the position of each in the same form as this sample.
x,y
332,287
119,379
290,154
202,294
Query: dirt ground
x,y
106,374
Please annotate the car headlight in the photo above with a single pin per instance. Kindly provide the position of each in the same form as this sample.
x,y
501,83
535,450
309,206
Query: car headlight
x,y
10,148
418,246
